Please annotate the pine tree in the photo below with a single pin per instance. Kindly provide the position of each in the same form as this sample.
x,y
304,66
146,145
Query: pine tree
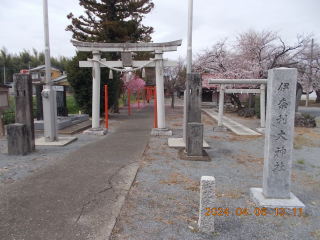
x,y
108,21
112,21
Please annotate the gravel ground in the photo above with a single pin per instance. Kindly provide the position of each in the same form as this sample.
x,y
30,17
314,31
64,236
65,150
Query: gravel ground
x,y
163,202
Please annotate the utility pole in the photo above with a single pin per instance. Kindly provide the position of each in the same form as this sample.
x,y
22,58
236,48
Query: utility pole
x,y
48,94
189,48
4,75
310,77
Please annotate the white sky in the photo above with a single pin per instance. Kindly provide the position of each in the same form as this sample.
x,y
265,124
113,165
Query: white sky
x,y
21,22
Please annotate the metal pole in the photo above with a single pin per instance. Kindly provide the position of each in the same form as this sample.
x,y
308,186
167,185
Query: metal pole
x,y
48,95
4,75
189,48
47,46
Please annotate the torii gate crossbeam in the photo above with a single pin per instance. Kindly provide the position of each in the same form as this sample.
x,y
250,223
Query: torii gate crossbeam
x,y
97,62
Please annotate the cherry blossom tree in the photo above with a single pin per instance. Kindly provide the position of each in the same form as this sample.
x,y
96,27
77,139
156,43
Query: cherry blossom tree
x,y
133,82
250,57
175,78
309,69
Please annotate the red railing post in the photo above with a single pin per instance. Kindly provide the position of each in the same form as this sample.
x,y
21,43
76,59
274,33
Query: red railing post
x,y
155,110
148,95
106,104
138,99
144,92
129,101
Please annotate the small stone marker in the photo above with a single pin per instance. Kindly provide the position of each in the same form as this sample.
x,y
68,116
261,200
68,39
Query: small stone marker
x,y
207,201
278,141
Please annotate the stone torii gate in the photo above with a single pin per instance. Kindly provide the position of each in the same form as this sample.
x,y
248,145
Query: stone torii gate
x,y
126,48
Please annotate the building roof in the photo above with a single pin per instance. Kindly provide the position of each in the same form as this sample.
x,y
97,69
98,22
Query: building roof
x,y
205,81
40,67
62,78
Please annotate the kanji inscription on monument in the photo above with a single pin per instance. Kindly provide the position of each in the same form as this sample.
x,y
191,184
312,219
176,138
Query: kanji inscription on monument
x,y
279,133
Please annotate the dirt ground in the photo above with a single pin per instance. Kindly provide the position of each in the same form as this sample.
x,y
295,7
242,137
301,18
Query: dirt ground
x,y
163,202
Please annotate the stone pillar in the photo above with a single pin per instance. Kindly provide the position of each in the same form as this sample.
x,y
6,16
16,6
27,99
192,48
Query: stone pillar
x,y
263,105
17,139
194,127
278,147
279,132
193,95
207,200
160,90
96,90
194,139
24,106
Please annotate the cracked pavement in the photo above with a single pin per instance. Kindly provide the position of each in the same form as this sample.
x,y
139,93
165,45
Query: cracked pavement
x,y
80,195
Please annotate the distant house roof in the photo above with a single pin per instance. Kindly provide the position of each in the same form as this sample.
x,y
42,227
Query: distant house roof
x,y
62,78
40,67
205,81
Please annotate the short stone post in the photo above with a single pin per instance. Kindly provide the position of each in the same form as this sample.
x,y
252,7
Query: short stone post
x,y
278,142
24,106
207,201
17,139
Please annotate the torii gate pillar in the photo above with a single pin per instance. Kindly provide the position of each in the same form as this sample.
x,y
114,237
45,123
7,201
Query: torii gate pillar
x,y
96,76
160,90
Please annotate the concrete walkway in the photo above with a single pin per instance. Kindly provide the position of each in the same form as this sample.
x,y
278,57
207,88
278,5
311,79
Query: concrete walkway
x,y
80,195
232,125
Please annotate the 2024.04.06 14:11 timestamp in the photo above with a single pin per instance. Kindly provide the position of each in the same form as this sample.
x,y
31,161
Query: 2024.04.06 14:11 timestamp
x,y
257,211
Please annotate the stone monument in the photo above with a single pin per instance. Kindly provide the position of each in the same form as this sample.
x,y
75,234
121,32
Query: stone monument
x,y
278,148
61,101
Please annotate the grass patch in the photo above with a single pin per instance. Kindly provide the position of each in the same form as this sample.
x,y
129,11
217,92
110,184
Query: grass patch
x,y
307,139
301,161
71,105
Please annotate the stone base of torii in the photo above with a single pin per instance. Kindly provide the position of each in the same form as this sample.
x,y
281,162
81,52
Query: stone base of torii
x,y
96,63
